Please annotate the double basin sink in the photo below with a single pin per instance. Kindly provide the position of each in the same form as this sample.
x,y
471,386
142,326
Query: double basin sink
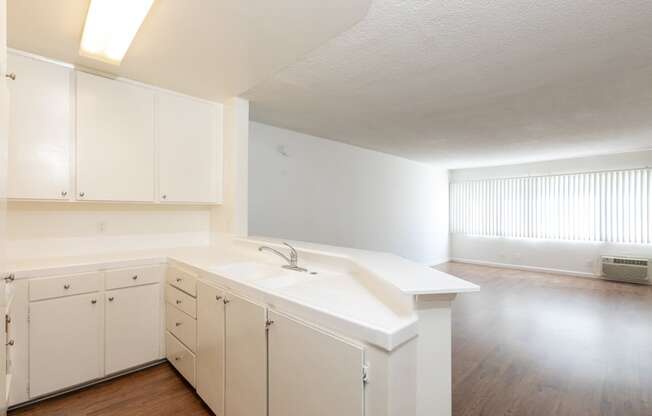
x,y
263,276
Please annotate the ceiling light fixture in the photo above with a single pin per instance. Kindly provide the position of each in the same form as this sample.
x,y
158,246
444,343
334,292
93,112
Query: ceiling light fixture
x,y
111,26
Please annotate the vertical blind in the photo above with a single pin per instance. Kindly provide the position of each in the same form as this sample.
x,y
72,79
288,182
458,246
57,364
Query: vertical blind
x,y
610,206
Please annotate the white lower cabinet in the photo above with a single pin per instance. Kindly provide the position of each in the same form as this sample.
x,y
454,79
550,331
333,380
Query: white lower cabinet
x,y
132,327
243,359
76,337
246,358
66,342
210,346
249,358
311,372
182,326
181,357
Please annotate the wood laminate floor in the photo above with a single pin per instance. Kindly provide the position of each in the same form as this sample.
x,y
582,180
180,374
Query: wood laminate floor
x,y
528,344
156,391
544,345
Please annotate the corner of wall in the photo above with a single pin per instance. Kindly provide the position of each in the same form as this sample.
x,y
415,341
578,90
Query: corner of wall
x,y
232,216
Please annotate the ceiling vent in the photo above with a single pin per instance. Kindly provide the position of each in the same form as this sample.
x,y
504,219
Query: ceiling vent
x,y
625,269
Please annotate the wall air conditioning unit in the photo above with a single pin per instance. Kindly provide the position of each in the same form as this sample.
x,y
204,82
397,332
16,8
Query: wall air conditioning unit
x,y
625,269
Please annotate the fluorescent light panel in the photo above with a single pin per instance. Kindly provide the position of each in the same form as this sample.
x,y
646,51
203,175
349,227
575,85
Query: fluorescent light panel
x,y
111,26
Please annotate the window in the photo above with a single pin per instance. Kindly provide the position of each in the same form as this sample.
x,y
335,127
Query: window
x,y
611,206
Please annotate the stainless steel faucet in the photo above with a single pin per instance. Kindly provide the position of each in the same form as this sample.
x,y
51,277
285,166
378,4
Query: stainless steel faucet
x,y
292,260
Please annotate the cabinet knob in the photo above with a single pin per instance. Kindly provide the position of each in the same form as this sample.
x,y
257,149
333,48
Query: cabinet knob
x,y
111,299
82,194
177,324
11,342
66,286
164,196
11,76
177,358
8,319
226,301
218,298
94,301
64,193
179,280
134,277
10,278
178,302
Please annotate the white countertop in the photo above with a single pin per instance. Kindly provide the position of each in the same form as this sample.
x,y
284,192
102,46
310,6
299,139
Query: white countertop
x,y
407,276
365,295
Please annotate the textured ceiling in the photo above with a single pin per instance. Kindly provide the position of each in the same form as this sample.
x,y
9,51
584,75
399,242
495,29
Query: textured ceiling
x,y
208,48
476,83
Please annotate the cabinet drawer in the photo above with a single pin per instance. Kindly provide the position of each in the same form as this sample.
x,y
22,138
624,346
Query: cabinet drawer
x,y
181,326
180,357
55,287
183,280
119,278
181,300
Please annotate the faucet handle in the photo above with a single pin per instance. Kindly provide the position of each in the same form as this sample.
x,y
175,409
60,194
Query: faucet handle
x,y
293,253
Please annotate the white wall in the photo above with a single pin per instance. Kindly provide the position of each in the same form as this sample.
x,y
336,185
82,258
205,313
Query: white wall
x,y
49,229
306,188
555,256
231,217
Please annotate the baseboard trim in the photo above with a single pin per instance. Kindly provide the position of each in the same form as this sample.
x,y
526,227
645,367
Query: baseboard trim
x,y
87,384
439,261
526,268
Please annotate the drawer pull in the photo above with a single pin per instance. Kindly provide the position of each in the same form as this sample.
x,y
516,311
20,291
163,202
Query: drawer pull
x,y
11,343
94,301
218,298
177,358
8,319
135,277
111,299
10,278
177,324
178,302
226,301
66,286
11,76
179,280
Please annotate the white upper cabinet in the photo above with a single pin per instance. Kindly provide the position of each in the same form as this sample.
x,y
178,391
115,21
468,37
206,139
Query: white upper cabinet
x,y
115,140
189,135
40,135
78,136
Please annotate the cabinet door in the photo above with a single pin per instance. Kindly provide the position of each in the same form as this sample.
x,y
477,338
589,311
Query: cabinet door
x,y
246,358
210,346
115,140
40,129
189,135
311,372
4,121
132,327
66,343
